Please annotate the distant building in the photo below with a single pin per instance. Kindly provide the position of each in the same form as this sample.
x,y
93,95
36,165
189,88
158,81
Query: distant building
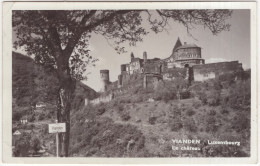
x,y
40,105
24,120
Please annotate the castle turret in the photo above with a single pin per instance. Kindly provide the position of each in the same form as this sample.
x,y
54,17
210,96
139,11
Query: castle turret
x,y
132,56
120,81
123,68
145,56
104,75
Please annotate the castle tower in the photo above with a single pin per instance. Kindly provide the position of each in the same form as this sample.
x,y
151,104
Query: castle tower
x,y
145,56
177,44
132,56
104,75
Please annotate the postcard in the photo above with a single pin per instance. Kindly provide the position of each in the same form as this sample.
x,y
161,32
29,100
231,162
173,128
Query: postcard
x,y
129,82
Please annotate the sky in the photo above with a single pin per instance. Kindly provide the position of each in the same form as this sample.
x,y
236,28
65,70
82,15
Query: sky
x,y
230,45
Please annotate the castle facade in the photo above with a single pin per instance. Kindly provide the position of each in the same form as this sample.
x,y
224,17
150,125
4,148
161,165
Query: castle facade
x,y
185,62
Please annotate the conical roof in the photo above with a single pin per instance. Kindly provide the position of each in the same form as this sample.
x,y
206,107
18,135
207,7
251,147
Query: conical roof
x,y
177,44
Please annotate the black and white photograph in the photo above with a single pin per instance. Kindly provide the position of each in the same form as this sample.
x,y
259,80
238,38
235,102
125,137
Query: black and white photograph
x,y
132,83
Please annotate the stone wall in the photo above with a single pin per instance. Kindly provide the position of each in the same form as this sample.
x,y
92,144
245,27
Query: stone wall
x,y
215,70
101,99
171,74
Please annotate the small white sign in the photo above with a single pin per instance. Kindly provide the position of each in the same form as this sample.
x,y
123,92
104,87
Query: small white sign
x,y
57,128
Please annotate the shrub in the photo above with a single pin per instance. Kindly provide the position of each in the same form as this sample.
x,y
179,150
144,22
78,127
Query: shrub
x,y
165,92
211,124
137,99
16,116
41,117
190,112
212,112
240,122
22,146
31,117
196,104
36,144
175,124
101,111
125,116
190,125
120,108
224,110
213,97
152,120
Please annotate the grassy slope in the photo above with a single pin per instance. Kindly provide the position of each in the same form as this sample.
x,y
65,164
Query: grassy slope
x,y
198,121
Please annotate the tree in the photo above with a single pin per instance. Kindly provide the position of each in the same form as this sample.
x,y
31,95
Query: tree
x,y
59,40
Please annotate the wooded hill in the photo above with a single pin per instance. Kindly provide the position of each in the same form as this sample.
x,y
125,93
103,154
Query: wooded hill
x,y
31,83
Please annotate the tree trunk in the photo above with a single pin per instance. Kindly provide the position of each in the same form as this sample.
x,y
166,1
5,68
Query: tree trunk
x,y
67,88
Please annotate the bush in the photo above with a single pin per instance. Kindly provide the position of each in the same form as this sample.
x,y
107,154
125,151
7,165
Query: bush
x,y
175,124
213,98
165,92
190,112
190,125
125,116
22,146
35,144
240,122
152,120
196,104
31,117
212,112
211,124
224,110
16,116
101,111
137,99
120,108
41,117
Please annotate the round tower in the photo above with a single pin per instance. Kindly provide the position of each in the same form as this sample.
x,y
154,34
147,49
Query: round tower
x,y
145,56
104,76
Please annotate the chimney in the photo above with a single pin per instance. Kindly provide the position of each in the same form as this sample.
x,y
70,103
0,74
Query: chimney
x,y
145,56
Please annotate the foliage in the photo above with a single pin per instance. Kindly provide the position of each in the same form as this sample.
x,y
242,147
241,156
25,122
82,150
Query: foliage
x,y
175,125
152,120
35,144
125,116
240,94
103,137
190,112
241,122
190,125
22,146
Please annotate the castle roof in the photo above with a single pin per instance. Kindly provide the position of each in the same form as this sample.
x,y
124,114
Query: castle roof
x,y
177,44
187,46
137,59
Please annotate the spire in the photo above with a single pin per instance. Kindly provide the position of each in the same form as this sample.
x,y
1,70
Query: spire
x,y
177,44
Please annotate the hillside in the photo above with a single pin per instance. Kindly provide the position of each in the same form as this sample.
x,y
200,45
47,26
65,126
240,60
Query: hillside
x,y
131,125
139,123
32,83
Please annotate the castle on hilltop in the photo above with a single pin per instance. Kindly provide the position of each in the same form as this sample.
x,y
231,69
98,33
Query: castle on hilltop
x,y
185,61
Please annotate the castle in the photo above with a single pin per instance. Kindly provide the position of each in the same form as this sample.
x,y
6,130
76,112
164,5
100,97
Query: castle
x,y
185,61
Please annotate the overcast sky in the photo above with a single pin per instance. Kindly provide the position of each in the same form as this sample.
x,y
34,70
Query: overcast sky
x,y
226,46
